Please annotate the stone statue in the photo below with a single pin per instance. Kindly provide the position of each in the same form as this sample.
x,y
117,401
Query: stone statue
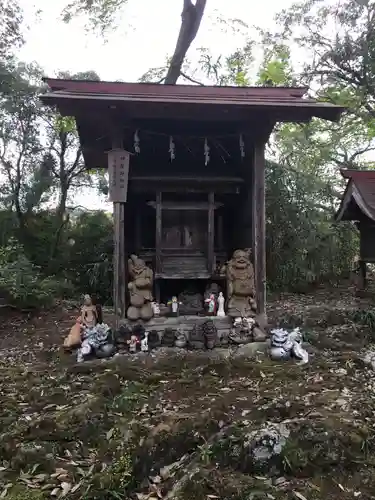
x,y
181,338
191,302
210,334
89,313
240,285
242,330
140,289
285,345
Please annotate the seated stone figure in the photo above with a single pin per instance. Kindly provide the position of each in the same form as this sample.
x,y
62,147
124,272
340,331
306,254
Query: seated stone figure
x,y
240,285
191,302
140,289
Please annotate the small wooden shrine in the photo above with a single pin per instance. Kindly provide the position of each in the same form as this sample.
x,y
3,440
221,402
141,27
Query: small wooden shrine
x,y
187,172
358,205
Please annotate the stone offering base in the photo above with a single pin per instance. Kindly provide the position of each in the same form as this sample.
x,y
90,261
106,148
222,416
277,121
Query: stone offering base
x,y
186,324
245,351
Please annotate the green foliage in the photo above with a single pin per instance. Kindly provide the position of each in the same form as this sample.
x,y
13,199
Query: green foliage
x,y
81,263
88,261
338,40
101,13
21,281
21,149
276,68
230,70
10,35
304,246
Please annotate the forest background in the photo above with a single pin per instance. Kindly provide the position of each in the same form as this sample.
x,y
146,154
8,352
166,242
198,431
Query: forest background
x,y
51,247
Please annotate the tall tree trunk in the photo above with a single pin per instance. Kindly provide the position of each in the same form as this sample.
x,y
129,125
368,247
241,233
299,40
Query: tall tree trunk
x,y
63,196
191,18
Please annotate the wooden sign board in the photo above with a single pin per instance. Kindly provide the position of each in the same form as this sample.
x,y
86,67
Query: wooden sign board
x,y
118,171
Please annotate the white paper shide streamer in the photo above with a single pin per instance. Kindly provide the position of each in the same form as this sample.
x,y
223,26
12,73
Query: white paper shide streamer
x,y
206,152
242,146
137,147
172,148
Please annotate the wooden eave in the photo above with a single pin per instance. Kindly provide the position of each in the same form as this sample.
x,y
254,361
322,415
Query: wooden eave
x,y
98,107
358,192
270,98
278,108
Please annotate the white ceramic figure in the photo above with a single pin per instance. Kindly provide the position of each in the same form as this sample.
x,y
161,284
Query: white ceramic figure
x,y
237,322
248,324
285,345
220,301
211,304
155,308
174,305
133,344
144,343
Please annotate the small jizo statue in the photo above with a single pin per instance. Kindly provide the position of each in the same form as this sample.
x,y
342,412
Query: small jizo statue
x,y
89,313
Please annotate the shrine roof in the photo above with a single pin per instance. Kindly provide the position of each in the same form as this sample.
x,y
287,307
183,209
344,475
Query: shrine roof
x,y
359,195
175,110
155,100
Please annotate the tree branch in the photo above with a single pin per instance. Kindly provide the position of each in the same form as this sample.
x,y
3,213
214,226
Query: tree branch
x,y
191,18
192,80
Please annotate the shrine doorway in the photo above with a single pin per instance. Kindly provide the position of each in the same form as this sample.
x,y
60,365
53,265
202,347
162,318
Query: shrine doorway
x,y
184,230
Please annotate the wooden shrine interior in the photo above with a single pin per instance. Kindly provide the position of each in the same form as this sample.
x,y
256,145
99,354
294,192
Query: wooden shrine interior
x,y
183,217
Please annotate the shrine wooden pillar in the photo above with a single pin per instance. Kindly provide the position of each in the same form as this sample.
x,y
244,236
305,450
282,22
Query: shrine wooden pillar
x,y
244,223
211,232
118,169
119,271
259,225
158,235
158,240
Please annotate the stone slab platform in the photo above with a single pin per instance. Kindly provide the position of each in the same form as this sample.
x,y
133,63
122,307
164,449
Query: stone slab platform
x,y
162,322
186,323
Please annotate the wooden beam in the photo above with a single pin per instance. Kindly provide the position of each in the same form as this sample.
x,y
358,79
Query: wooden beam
x,y
211,232
259,227
138,231
245,220
119,255
220,232
158,235
173,184
185,205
